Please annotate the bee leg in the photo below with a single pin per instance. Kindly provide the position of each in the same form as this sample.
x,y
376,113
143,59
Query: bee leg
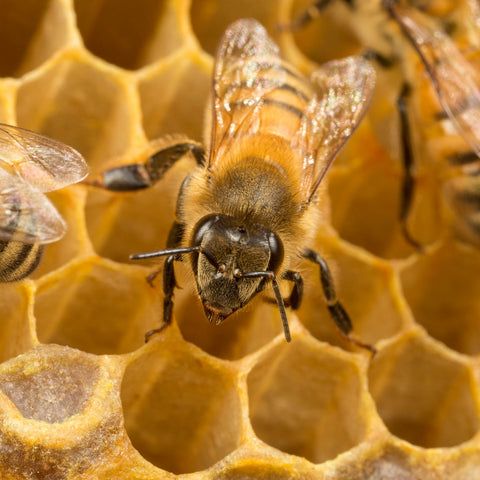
x,y
295,299
169,280
307,15
143,175
337,313
382,60
408,183
169,284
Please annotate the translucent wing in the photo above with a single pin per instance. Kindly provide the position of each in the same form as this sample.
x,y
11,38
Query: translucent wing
x,y
43,162
26,214
344,90
455,80
247,68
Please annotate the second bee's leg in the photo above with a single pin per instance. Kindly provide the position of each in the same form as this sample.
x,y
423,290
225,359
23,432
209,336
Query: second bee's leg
x,y
408,183
143,175
309,14
337,312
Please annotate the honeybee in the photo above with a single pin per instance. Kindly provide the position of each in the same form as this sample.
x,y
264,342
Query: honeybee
x,y
250,208
31,163
453,78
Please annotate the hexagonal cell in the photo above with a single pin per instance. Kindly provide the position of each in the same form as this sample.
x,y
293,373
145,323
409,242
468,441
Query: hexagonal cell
x,y
308,400
253,468
242,333
51,428
184,82
423,394
123,223
390,462
182,410
96,306
77,92
359,216
32,31
328,36
210,18
16,328
366,286
70,204
128,34
443,291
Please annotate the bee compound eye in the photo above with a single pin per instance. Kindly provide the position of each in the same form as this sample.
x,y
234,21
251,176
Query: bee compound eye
x,y
276,251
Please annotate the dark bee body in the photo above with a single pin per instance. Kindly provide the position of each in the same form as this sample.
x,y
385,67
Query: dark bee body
x,y
249,210
18,260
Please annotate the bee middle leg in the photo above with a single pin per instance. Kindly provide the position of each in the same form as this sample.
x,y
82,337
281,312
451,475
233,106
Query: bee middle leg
x,y
337,312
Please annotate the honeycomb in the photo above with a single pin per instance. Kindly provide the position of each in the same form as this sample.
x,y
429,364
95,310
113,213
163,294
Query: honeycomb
x,y
82,396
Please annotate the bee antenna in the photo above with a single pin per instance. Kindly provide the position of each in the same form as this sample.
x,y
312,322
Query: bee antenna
x,y
175,251
278,297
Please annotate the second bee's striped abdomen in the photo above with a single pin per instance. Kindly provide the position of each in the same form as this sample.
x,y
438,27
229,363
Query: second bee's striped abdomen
x,y
18,259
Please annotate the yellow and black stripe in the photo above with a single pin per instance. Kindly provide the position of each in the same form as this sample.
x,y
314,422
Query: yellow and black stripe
x,y
18,259
277,92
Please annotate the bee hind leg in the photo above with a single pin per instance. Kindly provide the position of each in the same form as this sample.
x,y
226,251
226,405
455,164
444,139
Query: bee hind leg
x,y
142,175
337,312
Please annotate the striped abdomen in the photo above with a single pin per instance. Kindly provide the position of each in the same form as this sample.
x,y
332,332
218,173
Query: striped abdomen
x,y
18,259
284,94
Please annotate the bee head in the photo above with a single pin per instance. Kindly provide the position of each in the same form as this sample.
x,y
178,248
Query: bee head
x,y
232,263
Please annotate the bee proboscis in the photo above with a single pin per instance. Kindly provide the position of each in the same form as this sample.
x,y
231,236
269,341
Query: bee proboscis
x,y
30,164
250,209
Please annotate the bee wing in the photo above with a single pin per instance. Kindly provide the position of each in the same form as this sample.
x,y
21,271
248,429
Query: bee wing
x,y
344,90
246,59
455,80
43,162
26,214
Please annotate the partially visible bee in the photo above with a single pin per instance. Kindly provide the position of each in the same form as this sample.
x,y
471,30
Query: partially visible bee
x,y
453,77
251,206
30,164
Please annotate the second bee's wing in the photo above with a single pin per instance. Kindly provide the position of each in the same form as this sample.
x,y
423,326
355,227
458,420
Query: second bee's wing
x,y
344,89
26,214
42,161
455,80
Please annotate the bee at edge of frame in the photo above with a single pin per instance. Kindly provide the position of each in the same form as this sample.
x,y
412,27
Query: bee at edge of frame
x,y
429,27
250,208
30,164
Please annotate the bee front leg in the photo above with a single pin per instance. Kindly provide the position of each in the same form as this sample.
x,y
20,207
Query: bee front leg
x,y
408,183
145,174
169,285
169,281
337,312
295,299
